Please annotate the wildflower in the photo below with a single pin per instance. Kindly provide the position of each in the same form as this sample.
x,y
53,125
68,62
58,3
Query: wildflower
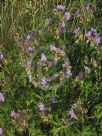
x,y
88,34
77,31
47,21
61,7
68,74
53,48
67,15
1,56
43,81
96,40
74,106
41,106
72,113
2,98
68,122
57,50
1,131
30,49
30,37
29,62
63,27
93,30
94,36
13,113
43,57
88,7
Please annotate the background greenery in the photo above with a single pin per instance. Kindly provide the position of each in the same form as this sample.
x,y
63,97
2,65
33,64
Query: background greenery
x,y
22,16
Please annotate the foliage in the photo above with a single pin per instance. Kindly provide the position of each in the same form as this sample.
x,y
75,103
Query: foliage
x,y
50,68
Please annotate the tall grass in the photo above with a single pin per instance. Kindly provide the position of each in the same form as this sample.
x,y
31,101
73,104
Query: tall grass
x,y
20,17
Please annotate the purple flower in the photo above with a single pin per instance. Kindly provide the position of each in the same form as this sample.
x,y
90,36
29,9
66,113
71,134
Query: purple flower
x,y
93,30
88,34
88,7
2,98
97,40
57,50
72,113
29,62
41,106
1,56
95,36
77,31
13,113
68,74
30,37
53,48
1,131
61,7
63,27
67,15
74,106
30,49
68,122
47,21
43,81
43,57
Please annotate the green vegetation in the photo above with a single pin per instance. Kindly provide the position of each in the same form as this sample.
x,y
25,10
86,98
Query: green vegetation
x,y
51,68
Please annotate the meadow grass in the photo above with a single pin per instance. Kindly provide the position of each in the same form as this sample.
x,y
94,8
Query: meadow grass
x,y
31,105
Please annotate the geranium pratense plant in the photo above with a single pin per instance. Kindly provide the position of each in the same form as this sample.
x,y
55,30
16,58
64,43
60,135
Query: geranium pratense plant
x,y
93,36
2,98
43,60
58,62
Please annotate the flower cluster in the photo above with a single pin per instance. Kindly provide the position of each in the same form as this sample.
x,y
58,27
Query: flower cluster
x,y
20,119
61,7
57,61
93,36
1,131
72,112
13,113
39,64
2,98
1,56
41,106
46,63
